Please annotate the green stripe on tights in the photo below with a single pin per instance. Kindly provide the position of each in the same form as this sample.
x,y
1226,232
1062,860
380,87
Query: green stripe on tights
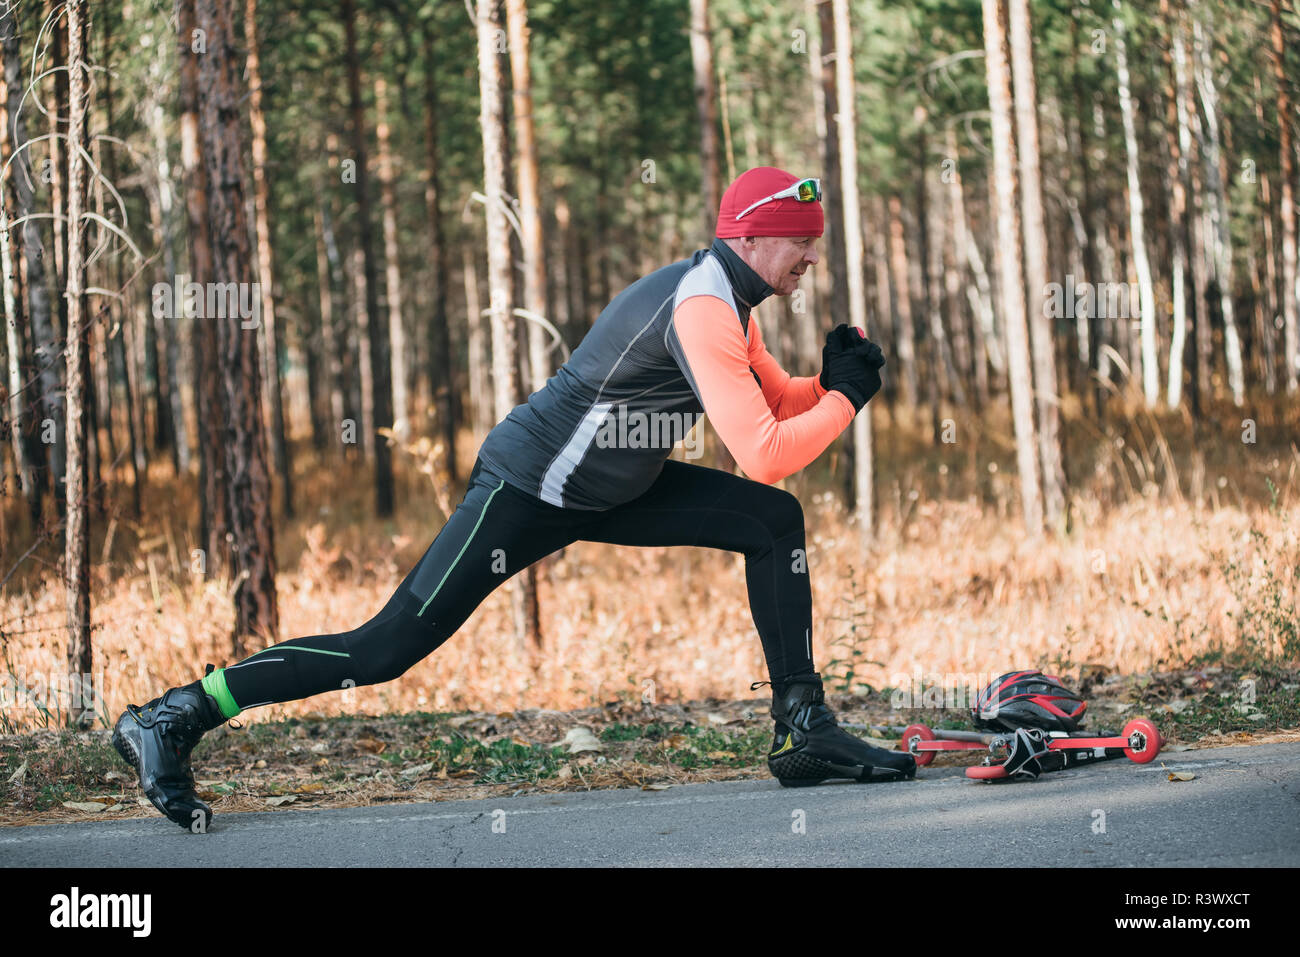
x,y
462,548
215,685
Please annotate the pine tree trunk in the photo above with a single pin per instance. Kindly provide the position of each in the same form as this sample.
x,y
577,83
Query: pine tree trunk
x,y
706,110
392,266
381,400
20,311
77,530
822,56
214,506
328,322
1220,231
505,345
530,216
1197,253
134,392
954,270
1179,138
863,460
252,536
1042,340
904,329
1007,247
166,326
271,345
1146,290
442,370
1291,330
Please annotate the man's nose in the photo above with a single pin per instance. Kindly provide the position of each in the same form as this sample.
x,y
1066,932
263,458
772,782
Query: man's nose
x,y
811,257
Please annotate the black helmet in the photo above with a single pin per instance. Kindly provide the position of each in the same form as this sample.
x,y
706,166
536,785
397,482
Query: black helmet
x,y
1028,699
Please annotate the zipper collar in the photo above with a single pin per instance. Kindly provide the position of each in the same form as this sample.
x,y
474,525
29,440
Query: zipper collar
x,y
749,287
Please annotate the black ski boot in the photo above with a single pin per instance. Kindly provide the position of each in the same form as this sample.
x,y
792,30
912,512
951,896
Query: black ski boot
x,y
157,739
811,747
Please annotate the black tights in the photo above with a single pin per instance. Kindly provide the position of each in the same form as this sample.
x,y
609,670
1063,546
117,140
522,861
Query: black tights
x,y
497,531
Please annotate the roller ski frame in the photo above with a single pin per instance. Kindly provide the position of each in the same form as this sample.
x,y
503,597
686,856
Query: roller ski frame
x,y
1140,742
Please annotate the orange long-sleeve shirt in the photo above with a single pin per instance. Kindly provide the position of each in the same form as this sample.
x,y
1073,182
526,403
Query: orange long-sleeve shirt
x,y
772,423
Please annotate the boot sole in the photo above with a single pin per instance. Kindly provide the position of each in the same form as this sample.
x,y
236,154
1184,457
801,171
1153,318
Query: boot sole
x,y
800,770
129,753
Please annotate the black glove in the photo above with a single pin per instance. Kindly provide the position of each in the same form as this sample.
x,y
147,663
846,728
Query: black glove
x,y
850,364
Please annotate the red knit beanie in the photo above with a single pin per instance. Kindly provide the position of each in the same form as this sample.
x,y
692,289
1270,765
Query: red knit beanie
x,y
780,217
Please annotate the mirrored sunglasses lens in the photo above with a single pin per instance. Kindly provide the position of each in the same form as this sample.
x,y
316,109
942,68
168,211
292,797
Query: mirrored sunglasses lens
x,y
809,191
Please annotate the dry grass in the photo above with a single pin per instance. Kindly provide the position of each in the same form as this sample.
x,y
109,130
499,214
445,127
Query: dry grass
x,y
953,586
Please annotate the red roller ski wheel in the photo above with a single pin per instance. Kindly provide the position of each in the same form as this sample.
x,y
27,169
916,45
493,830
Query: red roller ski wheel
x,y
1149,737
917,732
987,772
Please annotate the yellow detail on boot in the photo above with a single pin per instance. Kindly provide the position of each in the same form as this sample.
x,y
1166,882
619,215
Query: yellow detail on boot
x,y
789,745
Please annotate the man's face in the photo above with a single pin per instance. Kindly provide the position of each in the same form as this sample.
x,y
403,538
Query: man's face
x,y
781,260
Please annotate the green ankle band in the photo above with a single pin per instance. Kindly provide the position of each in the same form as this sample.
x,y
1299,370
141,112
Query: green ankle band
x,y
215,685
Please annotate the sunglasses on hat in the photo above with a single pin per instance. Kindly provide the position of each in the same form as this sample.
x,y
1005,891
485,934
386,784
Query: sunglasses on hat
x,y
804,191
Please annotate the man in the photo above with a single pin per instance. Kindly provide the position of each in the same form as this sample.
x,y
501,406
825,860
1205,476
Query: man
x,y
578,462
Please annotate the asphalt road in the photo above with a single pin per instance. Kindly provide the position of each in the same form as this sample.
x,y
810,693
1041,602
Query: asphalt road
x,y
1241,810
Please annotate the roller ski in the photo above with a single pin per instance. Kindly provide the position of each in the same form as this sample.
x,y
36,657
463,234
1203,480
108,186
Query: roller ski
x,y
1031,724
1027,752
810,747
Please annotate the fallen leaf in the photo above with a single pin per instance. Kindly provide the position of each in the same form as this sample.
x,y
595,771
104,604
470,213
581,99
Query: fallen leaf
x,y
417,769
1176,747
17,776
92,806
675,741
720,755
282,799
373,745
260,763
309,788
565,773
655,787
715,718
1181,776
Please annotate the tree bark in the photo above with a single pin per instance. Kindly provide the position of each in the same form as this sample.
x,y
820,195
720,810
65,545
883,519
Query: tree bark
x,y
252,536
77,530
214,506
1179,138
31,312
166,326
1146,290
1221,233
1011,271
863,460
823,62
706,110
1291,330
442,371
505,345
1041,339
392,266
530,215
377,330
265,264
904,326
